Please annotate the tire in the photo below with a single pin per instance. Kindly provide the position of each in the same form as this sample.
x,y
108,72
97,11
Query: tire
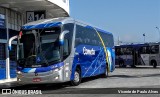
x,y
121,64
154,64
105,74
77,78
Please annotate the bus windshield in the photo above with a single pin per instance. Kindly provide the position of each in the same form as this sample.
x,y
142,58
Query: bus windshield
x,y
39,47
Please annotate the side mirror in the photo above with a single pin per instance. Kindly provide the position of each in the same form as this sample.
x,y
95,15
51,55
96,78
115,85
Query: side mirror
x,y
12,38
10,42
61,37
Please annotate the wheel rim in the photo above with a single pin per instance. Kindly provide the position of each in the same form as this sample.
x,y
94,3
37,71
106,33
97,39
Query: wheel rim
x,y
76,77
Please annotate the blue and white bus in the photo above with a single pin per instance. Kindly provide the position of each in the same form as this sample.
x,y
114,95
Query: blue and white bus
x,y
63,49
128,55
138,54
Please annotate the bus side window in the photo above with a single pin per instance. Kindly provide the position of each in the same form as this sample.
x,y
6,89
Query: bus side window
x,y
154,49
118,52
157,48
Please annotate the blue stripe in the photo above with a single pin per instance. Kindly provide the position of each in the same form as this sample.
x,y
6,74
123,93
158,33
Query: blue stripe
x,y
25,70
100,30
41,69
41,26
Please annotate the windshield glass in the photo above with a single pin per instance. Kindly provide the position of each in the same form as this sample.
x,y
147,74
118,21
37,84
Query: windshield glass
x,y
39,47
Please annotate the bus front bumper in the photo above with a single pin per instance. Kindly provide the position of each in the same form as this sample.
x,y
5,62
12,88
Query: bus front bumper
x,y
53,76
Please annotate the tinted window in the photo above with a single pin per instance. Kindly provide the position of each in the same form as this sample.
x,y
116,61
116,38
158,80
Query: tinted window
x,y
107,38
154,49
144,50
67,39
86,36
2,51
118,51
90,37
124,51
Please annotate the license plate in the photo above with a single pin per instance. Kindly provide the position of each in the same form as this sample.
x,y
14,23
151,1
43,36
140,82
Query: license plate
x,y
36,79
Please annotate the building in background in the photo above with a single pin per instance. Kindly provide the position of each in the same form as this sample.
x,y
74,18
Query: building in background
x,y
15,13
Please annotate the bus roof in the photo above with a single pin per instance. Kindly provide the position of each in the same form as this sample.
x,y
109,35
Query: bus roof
x,y
47,23
44,23
132,45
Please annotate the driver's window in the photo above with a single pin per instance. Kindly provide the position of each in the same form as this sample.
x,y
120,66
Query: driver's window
x,y
67,39
66,48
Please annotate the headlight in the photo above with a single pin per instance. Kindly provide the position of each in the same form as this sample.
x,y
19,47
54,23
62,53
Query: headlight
x,y
19,72
56,70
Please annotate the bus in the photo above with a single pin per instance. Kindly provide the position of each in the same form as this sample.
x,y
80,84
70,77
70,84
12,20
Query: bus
x,y
63,49
137,54
151,55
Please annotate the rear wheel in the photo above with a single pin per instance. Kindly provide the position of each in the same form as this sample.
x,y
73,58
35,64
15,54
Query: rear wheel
x,y
77,78
121,64
154,64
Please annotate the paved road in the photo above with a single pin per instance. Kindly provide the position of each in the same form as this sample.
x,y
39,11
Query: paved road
x,y
140,77
126,77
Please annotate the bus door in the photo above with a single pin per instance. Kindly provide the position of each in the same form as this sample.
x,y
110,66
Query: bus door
x,y
154,54
136,56
144,56
129,56
122,57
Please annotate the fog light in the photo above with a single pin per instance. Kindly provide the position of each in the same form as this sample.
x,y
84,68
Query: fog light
x,y
18,79
56,77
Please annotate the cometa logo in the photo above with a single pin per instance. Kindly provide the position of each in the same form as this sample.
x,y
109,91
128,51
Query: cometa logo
x,y
88,51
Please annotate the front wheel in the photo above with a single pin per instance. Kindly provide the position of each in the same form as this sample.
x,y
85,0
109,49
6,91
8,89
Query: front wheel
x,y
77,78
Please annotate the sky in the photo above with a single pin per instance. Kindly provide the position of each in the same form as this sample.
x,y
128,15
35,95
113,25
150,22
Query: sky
x,y
126,19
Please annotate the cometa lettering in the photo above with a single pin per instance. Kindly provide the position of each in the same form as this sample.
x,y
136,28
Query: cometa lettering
x,y
88,51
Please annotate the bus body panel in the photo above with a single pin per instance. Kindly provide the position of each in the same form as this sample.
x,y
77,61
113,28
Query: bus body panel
x,y
90,63
145,58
